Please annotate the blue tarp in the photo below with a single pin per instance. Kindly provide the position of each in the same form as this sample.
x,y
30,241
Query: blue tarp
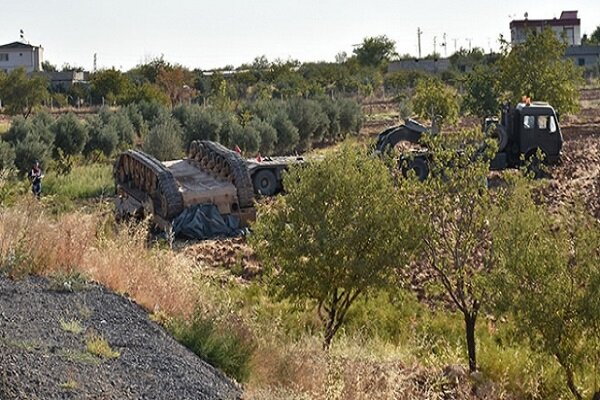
x,y
203,221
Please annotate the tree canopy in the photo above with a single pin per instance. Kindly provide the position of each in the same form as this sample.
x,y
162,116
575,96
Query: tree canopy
x,y
375,51
538,70
337,234
20,94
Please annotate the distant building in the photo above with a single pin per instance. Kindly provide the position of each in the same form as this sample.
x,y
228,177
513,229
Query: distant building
x,y
587,56
567,27
17,54
62,81
426,65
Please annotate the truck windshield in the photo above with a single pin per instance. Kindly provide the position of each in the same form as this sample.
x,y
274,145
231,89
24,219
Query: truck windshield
x,y
546,123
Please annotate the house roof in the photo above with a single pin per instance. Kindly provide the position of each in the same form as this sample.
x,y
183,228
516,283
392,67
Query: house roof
x,y
17,45
567,18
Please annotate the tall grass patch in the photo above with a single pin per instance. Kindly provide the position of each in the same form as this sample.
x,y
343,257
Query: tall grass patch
x,y
221,345
84,181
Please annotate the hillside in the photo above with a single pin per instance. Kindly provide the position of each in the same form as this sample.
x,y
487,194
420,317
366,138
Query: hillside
x,y
46,348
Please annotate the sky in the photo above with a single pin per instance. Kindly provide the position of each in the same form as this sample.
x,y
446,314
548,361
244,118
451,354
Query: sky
x,y
212,34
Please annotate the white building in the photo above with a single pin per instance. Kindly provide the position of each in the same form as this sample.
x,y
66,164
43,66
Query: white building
x,y
568,26
17,54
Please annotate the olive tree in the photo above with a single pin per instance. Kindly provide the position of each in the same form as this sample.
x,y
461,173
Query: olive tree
x,y
335,236
547,280
164,141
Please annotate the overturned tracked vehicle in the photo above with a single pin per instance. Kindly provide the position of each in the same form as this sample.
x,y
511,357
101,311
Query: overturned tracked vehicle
x,y
211,174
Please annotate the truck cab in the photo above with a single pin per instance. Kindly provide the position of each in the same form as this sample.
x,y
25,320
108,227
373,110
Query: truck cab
x,y
522,131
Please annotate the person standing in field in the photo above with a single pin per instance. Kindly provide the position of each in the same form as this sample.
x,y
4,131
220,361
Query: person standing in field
x,y
35,176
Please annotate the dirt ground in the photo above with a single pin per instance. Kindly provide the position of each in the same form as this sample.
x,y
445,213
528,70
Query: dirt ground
x,y
575,179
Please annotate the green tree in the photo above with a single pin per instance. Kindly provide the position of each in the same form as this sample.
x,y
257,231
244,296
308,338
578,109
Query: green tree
x,y
110,86
548,282
375,51
455,207
268,135
20,94
70,134
482,91
434,98
595,36
310,120
164,141
47,66
32,139
538,70
103,138
337,234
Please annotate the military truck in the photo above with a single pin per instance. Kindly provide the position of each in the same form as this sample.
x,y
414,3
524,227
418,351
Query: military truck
x,y
522,132
211,174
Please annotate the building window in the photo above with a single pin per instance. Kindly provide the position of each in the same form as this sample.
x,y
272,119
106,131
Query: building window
x,y
3,57
581,62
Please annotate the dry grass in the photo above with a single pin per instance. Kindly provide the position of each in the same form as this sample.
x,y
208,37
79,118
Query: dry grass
x,y
303,371
99,347
33,242
72,326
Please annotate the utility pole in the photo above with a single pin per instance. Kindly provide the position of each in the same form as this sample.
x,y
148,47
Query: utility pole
x,y
434,46
455,48
419,33
469,40
95,61
445,44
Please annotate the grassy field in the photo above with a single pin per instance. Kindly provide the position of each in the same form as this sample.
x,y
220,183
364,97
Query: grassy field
x,y
85,181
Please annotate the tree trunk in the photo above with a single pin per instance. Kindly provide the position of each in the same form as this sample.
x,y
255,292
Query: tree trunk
x,y
571,384
470,330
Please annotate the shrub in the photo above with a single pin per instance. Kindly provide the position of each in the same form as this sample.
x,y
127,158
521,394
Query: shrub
x,y
102,138
152,113
287,133
70,134
7,155
350,116
309,119
164,140
221,347
331,108
202,124
433,97
137,119
248,138
30,150
267,134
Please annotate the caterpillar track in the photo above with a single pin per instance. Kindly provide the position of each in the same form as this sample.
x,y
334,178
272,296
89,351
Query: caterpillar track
x,y
140,173
210,174
224,164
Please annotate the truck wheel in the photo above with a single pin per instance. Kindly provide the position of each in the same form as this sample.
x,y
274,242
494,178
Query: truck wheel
x,y
499,133
419,166
265,183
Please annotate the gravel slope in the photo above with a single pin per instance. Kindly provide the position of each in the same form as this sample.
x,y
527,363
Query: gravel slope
x,y
40,359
